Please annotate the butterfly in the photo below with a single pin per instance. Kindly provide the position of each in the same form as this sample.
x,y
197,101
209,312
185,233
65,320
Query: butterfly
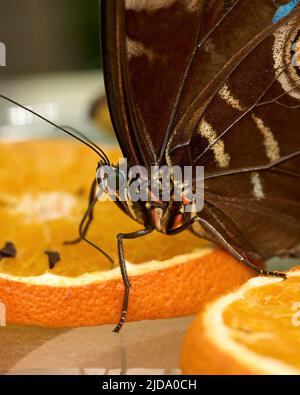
x,y
212,84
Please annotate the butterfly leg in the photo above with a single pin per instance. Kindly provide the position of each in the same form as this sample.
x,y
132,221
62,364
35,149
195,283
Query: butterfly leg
x,y
86,222
222,242
241,258
87,217
122,262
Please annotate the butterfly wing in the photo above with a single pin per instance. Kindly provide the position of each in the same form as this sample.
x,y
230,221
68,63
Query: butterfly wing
x,y
143,70
244,129
152,73
178,74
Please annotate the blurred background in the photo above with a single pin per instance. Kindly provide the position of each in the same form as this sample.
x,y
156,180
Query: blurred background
x,y
53,65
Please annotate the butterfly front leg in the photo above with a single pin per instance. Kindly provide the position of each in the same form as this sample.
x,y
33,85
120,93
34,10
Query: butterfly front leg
x,y
87,217
86,222
227,246
122,262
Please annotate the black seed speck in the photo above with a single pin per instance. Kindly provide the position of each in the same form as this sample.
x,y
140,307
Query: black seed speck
x,y
53,258
8,251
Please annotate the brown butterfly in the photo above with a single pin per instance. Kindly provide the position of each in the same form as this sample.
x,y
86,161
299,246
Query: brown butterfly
x,y
213,84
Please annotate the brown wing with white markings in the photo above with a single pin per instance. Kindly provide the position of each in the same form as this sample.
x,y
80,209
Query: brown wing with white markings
x,y
247,137
154,69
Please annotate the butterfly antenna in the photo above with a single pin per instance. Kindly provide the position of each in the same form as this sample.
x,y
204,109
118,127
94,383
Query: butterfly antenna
x,y
101,152
78,136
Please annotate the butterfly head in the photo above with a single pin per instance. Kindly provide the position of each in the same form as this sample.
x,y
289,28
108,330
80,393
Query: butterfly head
x,y
109,179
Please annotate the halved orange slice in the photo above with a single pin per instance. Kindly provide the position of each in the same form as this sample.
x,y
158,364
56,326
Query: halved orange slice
x,y
44,190
255,330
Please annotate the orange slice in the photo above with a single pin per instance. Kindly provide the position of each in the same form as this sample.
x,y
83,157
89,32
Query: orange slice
x,y
255,330
44,190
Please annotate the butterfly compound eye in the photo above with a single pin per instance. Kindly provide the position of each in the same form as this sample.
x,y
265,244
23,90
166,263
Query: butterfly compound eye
x,y
110,178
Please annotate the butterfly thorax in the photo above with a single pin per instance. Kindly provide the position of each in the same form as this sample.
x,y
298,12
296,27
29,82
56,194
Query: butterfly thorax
x,y
151,204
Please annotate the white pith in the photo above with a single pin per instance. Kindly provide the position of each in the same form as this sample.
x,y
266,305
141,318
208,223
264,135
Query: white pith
x,y
49,279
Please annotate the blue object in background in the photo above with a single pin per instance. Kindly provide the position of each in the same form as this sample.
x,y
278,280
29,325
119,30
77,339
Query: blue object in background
x,y
284,10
